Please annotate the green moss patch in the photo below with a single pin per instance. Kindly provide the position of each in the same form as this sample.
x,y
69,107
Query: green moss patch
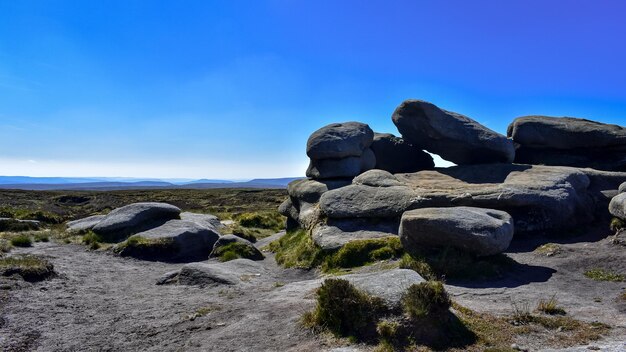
x,y
362,252
426,299
30,268
236,250
599,274
297,250
146,248
270,220
22,240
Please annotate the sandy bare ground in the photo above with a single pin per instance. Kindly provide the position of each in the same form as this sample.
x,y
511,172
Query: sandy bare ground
x,y
100,302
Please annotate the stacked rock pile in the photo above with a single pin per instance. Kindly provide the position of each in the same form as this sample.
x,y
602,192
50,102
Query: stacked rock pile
x,y
363,184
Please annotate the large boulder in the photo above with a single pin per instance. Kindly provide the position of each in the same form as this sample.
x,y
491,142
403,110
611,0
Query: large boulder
x,y
245,249
568,141
122,222
84,224
333,168
301,209
453,136
617,207
396,155
475,230
622,188
339,140
174,241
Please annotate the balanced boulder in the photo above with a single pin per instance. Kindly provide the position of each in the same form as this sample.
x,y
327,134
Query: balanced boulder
x,y
475,230
174,241
122,222
453,136
568,141
339,140
340,150
396,155
617,206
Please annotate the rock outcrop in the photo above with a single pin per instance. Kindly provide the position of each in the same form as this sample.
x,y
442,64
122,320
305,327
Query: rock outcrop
x,y
453,136
122,222
340,150
174,241
568,141
474,230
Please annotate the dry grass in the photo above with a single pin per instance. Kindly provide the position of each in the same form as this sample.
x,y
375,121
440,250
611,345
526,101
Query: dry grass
x,y
550,306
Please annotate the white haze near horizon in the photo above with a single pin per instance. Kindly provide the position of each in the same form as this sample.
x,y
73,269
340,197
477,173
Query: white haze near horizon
x,y
209,169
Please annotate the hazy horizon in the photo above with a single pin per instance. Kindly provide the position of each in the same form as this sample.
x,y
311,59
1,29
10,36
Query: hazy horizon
x,y
232,90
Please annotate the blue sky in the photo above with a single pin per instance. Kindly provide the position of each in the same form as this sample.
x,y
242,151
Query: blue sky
x,y
232,89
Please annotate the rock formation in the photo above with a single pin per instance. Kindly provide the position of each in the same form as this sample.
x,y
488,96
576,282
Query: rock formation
x,y
344,201
568,141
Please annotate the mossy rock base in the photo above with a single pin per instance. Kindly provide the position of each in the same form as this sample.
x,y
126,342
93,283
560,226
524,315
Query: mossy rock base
x,y
30,268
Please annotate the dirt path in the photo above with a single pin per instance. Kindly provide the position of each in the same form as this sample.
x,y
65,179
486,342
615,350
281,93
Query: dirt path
x,y
100,302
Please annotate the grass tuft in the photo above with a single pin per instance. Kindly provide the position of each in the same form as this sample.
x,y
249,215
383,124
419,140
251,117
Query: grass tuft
x,y
297,250
22,240
270,220
344,310
29,267
426,299
599,274
617,224
362,252
550,306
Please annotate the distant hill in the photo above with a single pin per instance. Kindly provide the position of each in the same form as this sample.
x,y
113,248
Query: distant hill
x,y
105,184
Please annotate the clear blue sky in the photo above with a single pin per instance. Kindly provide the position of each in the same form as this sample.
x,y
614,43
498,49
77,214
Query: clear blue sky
x,y
232,89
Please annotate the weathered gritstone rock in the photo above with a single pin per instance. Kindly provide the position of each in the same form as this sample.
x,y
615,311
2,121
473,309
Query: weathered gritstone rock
x,y
361,201
617,207
339,140
388,285
376,178
453,136
255,254
569,141
206,220
301,207
134,218
396,155
475,230
537,197
174,241
234,272
337,232
333,168
622,188
84,224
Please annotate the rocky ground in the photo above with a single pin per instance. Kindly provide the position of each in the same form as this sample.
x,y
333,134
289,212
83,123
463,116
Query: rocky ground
x,y
102,302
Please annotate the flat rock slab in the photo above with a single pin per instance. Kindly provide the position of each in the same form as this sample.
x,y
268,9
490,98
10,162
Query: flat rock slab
x,y
234,272
84,224
206,220
476,230
361,201
122,222
175,241
565,133
453,136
